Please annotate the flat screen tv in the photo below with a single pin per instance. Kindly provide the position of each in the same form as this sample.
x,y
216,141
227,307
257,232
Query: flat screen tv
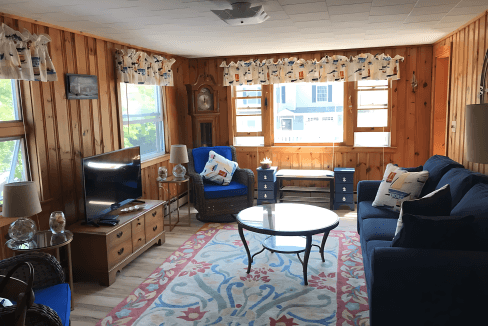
x,y
111,180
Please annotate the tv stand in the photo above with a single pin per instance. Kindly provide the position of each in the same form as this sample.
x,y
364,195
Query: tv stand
x,y
99,253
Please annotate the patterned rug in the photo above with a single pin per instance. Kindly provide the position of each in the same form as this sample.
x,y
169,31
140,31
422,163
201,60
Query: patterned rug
x,y
204,282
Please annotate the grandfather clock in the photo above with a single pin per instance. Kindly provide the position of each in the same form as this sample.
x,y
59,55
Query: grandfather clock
x,y
203,107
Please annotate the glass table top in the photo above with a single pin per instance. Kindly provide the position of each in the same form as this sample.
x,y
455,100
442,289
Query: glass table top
x,y
42,240
288,219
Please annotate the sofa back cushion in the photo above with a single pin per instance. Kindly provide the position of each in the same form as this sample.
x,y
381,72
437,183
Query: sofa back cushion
x,y
200,155
437,166
460,181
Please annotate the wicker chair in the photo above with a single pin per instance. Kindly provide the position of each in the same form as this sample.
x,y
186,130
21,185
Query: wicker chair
x,y
47,274
231,202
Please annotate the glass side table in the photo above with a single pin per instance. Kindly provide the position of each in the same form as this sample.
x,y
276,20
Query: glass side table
x,y
169,180
48,240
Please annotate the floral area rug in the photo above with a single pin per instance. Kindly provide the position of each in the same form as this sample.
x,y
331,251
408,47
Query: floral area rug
x,y
204,282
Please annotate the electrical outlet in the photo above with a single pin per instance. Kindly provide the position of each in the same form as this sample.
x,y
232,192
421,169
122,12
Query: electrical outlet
x,y
453,126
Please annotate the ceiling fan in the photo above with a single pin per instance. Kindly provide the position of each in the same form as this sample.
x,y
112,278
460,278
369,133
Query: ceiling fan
x,y
242,13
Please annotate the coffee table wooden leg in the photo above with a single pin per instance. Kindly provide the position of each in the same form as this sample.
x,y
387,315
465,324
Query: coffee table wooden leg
x,y
322,246
249,258
308,247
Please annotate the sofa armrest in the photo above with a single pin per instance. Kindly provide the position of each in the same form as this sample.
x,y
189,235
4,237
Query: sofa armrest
x,y
427,287
367,190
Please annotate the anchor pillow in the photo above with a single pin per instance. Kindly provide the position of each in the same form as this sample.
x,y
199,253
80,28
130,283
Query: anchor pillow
x,y
399,185
218,169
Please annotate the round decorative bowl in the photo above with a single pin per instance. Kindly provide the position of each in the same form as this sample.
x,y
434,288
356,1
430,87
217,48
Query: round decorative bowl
x,y
266,165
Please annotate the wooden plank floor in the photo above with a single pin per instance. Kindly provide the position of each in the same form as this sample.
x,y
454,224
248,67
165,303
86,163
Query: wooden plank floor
x,y
93,302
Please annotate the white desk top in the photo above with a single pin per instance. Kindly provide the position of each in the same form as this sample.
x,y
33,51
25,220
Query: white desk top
x,y
305,173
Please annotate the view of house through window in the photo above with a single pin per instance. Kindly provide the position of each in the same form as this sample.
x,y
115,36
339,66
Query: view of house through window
x,y
12,150
309,113
248,118
142,113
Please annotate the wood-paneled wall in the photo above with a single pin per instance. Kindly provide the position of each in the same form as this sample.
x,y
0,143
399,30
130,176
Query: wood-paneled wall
x,y
61,132
468,47
410,110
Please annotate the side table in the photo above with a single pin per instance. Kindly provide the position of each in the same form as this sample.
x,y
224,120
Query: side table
x,y
267,187
47,240
344,189
169,180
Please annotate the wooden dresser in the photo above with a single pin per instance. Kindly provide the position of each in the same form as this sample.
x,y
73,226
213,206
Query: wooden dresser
x,y
100,252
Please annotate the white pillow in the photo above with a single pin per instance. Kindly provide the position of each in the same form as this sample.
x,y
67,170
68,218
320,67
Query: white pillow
x,y
399,185
219,169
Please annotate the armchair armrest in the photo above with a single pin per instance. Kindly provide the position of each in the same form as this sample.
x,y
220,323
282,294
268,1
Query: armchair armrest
x,y
47,270
367,190
427,287
246,177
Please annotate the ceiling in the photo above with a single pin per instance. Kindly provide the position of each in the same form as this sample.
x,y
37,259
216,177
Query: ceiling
x,y
188,27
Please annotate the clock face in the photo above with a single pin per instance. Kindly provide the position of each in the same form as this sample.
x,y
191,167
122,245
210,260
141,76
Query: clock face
x,y
205,100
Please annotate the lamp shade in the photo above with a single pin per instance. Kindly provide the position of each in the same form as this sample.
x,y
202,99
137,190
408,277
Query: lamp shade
x,y
476,133
20,199
178,154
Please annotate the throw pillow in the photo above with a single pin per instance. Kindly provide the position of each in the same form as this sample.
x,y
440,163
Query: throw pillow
x,y
219,169
399,185
436,232
437,203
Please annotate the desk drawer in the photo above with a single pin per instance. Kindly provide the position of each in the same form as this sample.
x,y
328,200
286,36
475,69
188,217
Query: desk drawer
x,y
344,178
266,195
344,188
344,198
119,236
266,186
117,253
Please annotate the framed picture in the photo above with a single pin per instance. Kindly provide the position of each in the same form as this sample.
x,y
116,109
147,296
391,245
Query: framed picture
x,y
81,87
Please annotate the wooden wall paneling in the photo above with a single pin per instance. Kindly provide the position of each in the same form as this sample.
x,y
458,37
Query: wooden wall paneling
x,y
409,152
423,107
103,96
472,66
94,107
464,95
113,98
481,53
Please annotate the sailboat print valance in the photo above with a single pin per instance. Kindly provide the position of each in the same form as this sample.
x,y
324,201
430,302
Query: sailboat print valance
x,y
25,56
364,66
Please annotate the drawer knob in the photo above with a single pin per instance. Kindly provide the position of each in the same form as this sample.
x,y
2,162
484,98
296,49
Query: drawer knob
x,y
119,234
344,179
265,196
265,186
140,239
265,177
154,214
343,188
343,198
155,228
139,223
121,251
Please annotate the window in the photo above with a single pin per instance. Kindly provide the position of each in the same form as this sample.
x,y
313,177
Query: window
x,y
312,113
142,114
248,115
373,109
12,145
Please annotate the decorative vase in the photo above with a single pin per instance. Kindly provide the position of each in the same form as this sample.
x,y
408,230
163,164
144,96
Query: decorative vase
x,y
57,222
162,173
179,171
22,230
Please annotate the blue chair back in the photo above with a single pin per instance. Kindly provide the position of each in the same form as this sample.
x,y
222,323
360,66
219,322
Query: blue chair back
x,y
200,155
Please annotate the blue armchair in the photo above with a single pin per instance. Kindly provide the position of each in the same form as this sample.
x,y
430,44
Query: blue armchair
x,y
214,202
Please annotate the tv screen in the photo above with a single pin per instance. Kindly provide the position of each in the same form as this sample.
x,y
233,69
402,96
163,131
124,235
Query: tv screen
x,y
111,180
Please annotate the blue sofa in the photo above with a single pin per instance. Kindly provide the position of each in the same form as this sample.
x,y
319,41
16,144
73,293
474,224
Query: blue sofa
x,y
408,286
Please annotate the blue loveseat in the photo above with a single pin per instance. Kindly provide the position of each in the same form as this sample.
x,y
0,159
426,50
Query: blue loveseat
x,y
408,286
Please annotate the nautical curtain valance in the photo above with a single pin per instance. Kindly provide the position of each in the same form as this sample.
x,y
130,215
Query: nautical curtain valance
x,y
330,68
25,56
137,67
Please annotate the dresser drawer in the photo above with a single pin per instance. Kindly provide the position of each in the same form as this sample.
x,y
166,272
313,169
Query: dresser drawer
x,y
154,223
117,253
138,240
346,188
119,236
266,176
266,195
138,225
266,186
344,177
344,198
154,215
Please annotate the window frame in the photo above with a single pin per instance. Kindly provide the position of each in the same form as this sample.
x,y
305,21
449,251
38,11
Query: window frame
x,y
234,98
163,118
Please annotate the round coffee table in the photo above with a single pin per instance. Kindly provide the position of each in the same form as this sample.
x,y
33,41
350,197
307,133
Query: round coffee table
x,y
290,227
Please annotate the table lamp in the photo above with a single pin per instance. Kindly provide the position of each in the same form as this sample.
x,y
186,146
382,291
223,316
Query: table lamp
x,y
20,199
178,155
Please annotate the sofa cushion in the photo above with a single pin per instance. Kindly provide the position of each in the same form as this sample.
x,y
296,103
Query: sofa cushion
x,y
58,298
367,251
369,211
436,232
213,191
200,155
460,181
399,185
438,202
219,169
378,229
437,166
415,169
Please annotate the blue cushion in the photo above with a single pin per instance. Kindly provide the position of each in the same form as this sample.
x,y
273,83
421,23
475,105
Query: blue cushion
x,y
58,298
437,166
419,168
378,229
213,190
460,181
200,155
367,251
368,211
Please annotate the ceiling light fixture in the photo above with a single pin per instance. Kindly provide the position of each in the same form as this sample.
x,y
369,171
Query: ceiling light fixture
x,y
242,14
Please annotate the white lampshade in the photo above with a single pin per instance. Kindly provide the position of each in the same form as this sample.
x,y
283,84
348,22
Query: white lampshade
x,y
178,154
20,199
476,133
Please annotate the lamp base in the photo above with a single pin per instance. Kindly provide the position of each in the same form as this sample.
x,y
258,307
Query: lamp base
x,y
22,230
179,171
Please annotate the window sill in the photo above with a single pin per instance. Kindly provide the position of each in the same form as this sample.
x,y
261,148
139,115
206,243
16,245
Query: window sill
x,y
154,160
